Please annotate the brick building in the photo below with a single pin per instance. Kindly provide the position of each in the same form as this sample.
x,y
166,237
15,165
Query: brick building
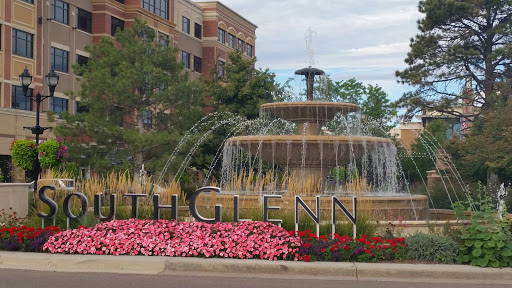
x,y
41,35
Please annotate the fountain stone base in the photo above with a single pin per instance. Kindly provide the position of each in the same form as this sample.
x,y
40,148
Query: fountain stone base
x,y
378,208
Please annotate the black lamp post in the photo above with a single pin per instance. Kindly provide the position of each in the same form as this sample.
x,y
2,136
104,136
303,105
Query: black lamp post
x,y
52,79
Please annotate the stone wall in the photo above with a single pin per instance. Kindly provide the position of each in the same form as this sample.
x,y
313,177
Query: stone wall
x,y
15,196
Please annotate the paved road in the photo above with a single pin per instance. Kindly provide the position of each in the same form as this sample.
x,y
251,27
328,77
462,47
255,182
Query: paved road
x,y
10,278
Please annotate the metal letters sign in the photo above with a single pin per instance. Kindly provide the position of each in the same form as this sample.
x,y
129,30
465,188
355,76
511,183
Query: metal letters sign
x,y
157,206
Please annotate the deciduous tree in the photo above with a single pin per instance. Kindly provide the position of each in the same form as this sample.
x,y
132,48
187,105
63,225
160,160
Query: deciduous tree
x,y
376,108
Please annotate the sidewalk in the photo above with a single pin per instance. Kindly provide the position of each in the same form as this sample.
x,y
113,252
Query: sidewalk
x,y
154,265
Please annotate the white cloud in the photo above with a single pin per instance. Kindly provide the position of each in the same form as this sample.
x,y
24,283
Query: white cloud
x,y
368,39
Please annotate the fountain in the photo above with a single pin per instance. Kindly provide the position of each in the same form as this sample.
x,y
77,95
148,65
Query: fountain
x,y
309,156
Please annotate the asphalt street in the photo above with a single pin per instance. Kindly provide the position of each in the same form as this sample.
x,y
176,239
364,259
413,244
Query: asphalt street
x,y
11,278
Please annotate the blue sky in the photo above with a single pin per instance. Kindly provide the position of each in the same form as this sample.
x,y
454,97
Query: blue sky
x,y
365,39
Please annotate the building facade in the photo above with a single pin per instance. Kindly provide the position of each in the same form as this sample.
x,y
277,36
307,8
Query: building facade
x,y
41,35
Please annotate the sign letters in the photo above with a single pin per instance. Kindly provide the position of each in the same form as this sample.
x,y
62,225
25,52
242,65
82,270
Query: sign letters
x,y
157,206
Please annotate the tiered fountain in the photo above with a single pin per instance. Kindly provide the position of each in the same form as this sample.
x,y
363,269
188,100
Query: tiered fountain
x,y
309,156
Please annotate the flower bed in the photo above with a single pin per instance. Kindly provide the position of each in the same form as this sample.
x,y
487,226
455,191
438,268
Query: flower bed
x,y
344,248
25,238
259,240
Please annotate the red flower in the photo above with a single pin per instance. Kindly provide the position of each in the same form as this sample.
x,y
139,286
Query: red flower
x,y
376,239
307,245
306,258
322,250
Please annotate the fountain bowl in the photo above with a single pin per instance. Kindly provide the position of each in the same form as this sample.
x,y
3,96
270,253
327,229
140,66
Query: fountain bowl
x,y
310,151
308,111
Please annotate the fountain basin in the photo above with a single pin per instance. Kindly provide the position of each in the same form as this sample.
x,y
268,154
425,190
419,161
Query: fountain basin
x,y
308,151
308,111
381,208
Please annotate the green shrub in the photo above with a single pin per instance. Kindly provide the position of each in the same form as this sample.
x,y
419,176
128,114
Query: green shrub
x,y
431,248
488,240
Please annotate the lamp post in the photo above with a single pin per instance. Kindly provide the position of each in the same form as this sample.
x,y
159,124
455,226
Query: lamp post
x,y
52,79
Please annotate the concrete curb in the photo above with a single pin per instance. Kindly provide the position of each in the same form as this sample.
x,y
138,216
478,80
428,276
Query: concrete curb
x,y
164,265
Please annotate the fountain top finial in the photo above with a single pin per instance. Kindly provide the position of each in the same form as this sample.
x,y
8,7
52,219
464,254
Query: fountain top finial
x,y
309,72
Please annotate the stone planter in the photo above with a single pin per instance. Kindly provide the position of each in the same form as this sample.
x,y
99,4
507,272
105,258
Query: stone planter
x,y
15,196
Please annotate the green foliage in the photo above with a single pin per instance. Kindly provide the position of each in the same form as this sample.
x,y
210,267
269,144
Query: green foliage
x,y
423,151
431,248
71,170
441,196
24,153
49,154
242,89
1,176
376,109
350,91
488,240
137,101
448,51
487,149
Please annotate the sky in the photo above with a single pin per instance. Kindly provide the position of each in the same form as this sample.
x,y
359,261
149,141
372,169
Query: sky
x,y
365,39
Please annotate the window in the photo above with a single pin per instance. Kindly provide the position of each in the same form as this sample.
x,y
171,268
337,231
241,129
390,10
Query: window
x,y
231,40
83,20
80,108
20,101
221,36
159,7
58,105
185,58
198,64
22,43
28,1
185,24
115,24
163,39
198,31
241,45
59,59
249,49
81,60
147,120
120,1
220,69
60,11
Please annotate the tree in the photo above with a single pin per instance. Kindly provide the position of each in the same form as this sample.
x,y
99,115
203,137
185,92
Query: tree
x,y
423,152
459,41
350,91
487,149
242,89
135,100
376,109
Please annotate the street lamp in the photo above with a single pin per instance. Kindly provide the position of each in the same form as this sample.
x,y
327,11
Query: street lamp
x,y
52,79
